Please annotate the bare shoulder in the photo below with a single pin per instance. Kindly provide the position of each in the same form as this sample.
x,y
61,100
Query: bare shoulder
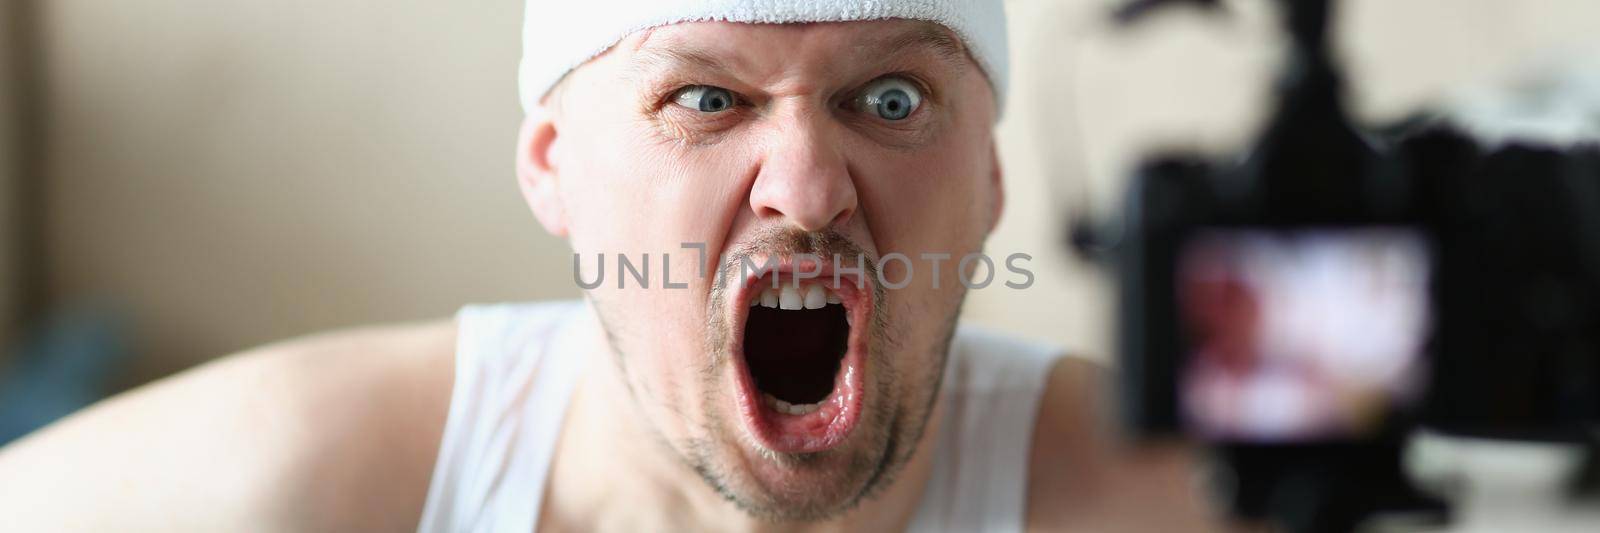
x,y
1063,468
332,432
1083,479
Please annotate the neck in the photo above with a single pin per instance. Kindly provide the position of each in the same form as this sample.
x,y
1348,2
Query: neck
x,y
611,471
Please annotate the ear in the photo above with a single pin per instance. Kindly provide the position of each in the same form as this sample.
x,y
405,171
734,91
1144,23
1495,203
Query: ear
x,y
537,172
997,176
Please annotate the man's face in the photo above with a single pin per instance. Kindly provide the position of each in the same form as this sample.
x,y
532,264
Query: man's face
x,y
770,142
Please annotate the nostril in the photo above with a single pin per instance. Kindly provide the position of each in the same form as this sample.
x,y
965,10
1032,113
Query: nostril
x,y
766,212
842,218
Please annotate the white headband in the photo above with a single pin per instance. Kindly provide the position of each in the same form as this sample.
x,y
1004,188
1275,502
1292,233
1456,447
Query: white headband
x,y
559,36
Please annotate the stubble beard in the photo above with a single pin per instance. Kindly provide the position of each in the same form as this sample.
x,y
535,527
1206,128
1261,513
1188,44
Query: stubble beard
x,y
878,449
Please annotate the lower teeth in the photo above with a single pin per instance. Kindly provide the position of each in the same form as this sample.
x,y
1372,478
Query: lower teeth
x,y
786,407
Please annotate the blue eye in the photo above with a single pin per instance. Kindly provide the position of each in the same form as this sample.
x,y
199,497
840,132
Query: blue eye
x,y
891,98
704,98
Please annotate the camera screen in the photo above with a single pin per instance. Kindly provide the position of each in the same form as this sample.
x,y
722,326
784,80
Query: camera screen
x,y
1302,335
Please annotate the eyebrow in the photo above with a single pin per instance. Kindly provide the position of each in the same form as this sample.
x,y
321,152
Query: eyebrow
x,y
924,35
676,56
673,54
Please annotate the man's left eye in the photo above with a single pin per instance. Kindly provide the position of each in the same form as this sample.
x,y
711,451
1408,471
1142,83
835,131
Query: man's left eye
x,y
704,98
891,98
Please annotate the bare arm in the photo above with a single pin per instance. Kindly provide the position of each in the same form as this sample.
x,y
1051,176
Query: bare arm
x,y
336,432
1083,480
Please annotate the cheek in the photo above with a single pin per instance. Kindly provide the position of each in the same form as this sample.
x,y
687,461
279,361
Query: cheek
x,y
931,201
632,189
934,201
620,199
630,196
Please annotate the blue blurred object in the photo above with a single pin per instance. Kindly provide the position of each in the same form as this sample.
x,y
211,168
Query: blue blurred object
x,y
59,368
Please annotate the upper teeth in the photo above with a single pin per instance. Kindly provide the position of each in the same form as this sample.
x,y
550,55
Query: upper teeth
x,y
789,297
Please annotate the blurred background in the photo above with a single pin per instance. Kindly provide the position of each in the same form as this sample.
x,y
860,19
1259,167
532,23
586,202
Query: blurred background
x,y
180,180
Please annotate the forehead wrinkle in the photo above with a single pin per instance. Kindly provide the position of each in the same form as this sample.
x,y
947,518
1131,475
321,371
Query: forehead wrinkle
x,y
673,52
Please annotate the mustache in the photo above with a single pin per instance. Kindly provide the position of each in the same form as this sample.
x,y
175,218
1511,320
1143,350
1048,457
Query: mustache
x,y
826,244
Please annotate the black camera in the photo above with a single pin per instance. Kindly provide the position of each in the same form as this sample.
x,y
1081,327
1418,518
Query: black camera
x,y
1307,306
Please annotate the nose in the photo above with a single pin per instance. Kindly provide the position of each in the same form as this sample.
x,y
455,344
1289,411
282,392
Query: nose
x,y
804,179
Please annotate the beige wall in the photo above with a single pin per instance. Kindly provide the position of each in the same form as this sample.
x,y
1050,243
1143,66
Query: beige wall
x,y
10,164
235,172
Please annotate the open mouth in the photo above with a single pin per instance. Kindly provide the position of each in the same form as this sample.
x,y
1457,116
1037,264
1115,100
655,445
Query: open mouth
x,y
800,368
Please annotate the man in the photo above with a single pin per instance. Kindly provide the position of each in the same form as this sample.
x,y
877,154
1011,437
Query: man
x,y
777,372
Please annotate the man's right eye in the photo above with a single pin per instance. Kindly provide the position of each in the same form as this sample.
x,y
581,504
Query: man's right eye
x,y
704,98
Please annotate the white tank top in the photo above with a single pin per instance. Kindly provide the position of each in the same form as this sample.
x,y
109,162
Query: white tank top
x,y
516,368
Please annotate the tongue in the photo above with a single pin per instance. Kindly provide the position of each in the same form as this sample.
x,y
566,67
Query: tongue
x,y
794,354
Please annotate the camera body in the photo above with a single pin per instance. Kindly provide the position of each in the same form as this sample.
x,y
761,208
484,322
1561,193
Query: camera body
x,y
1517,349
1499,247
1304,308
